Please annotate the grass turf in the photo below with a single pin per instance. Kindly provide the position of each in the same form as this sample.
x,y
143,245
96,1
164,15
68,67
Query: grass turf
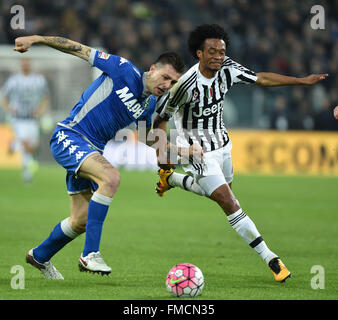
x,y
144,236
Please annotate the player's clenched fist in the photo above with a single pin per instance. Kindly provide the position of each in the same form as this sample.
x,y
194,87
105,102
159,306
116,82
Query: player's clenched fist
x,y
23,43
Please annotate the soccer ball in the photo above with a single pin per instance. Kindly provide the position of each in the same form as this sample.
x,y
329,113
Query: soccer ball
x,y
185,280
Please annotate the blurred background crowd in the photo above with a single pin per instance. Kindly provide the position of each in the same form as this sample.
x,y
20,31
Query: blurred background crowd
x,y
265,36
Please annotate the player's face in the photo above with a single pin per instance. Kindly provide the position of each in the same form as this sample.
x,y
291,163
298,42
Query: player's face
x,y
161,78
212,55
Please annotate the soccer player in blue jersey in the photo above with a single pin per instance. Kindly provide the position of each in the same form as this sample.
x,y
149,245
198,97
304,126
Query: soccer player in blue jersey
x,y
123,94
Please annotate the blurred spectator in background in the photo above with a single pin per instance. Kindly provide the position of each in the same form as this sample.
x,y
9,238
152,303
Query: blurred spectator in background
x,y
25,100
301,117
265,34
279,117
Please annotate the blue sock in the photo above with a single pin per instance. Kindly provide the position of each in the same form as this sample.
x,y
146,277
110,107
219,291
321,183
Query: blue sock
x,y
97,211
58,238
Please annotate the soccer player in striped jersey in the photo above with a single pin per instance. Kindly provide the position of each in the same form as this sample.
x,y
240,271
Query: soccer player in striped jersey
x,y
196,103
25,99
121,95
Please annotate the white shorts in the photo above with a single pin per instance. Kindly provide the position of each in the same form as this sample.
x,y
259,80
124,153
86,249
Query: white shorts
x,y
214,170
27,130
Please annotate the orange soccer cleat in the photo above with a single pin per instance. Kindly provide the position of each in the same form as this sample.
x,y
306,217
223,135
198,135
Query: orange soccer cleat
x,y
163,185
278,269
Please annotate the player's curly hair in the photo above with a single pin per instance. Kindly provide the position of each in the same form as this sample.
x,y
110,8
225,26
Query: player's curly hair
x,y
206,31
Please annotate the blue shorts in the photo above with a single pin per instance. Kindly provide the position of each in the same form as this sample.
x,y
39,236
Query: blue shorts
x,y
70,149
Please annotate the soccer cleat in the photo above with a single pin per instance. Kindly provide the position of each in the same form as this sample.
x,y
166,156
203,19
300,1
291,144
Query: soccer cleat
x,y
163,185
94,263
46,268
278,269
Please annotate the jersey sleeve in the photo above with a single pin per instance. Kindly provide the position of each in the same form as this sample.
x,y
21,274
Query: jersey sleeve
x,y
107,63
239,73
161,102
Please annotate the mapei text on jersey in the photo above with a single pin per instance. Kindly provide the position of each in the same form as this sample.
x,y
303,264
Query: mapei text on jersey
x,y
130,102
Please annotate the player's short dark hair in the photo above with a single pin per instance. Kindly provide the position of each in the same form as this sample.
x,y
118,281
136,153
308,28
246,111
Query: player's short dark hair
x,y
205,31
173,59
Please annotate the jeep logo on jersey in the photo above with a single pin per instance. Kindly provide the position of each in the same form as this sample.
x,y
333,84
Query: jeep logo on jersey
x,y
130,102
205,112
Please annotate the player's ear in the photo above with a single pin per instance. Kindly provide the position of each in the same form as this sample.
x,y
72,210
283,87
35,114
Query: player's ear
x,y
152,68
199,54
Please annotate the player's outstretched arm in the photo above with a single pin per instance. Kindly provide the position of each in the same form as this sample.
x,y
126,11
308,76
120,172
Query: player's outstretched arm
x,y
22,44
269,79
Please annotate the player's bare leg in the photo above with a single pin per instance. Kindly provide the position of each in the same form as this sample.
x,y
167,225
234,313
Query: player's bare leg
x,y
68,229
79,211
245,227
240,222
99,170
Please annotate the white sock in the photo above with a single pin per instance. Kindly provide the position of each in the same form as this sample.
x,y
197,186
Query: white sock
x,y
245,227
185,182
67,230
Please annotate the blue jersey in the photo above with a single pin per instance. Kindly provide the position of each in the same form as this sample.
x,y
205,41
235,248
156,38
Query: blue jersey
x,y
113,101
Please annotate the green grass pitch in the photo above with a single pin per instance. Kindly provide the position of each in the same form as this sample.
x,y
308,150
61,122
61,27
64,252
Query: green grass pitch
x,y
144,236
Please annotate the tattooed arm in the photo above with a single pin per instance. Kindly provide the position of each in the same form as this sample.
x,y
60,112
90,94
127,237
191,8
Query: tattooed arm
x,y
62,44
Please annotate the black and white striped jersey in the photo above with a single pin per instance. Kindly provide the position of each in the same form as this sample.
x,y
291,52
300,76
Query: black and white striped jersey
x,y
196,104
24,93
